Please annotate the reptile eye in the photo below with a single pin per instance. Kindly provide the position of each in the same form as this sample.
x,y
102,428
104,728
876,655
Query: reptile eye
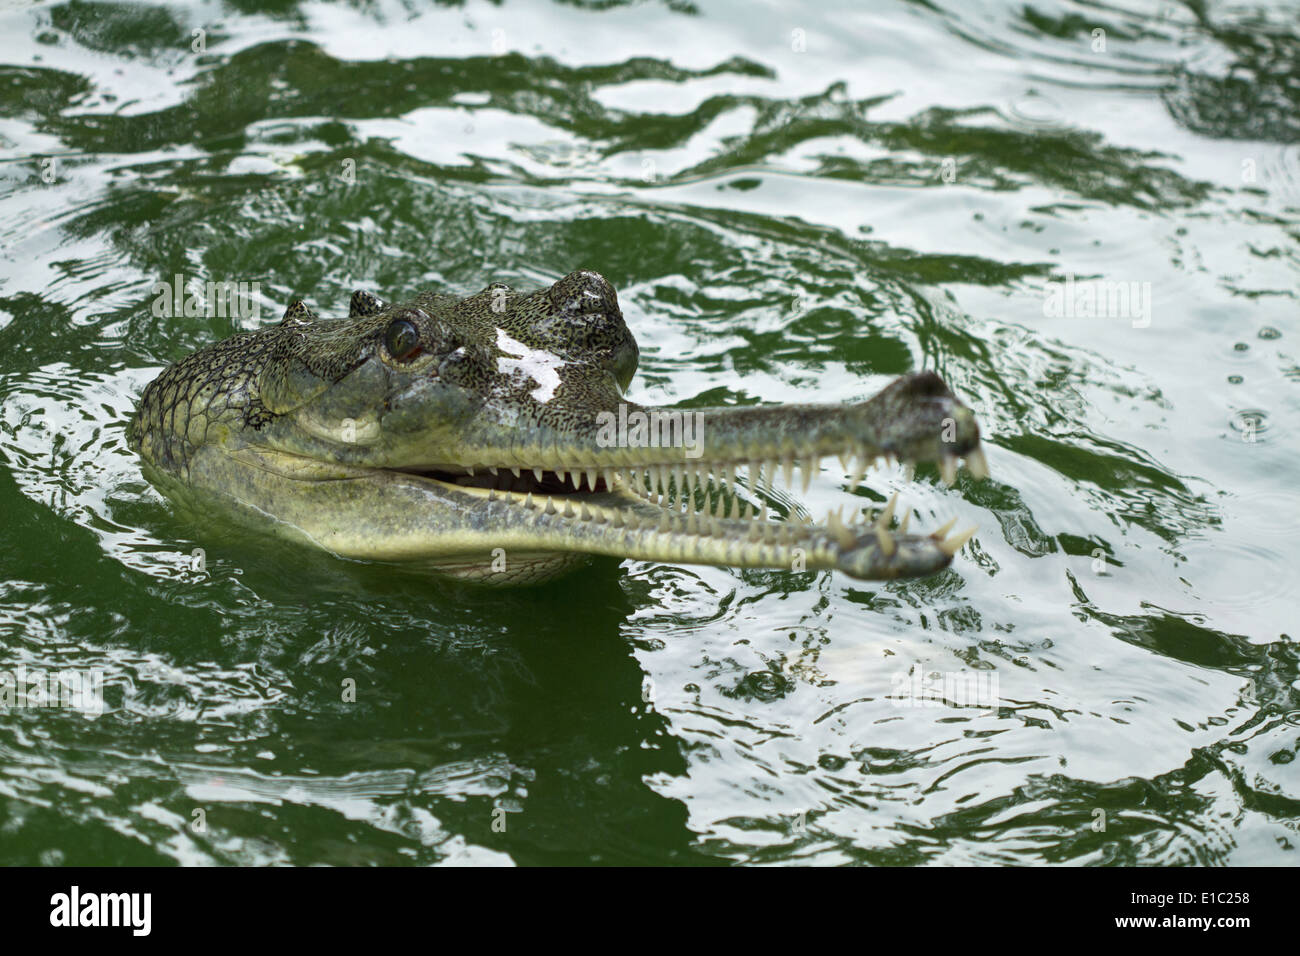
x,y
402,339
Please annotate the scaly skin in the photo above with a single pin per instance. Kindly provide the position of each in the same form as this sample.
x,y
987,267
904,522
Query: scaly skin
x,y
467,436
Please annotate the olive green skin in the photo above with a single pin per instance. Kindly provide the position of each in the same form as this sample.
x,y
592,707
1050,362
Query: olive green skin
x,y
369,437
260,381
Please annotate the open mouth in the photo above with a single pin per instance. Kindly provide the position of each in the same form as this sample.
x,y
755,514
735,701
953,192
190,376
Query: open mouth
x,y
524,481
640,484
713,499
679,480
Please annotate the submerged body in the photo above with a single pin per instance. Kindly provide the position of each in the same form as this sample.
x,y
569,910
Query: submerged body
x,y
488,438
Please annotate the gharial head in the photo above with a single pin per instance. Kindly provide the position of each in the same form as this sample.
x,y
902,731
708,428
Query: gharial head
x,y
501,418
446,382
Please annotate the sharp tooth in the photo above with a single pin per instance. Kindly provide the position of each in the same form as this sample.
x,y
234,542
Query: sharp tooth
x,y
844,461
584,511
550,505
537,473
909,471
835,525
753,477
591,478
492,494
729,476
907,517
939,533
887,516
948,469
568,508
491,470
616,519
528,499
859,472
787,471
470,469
809,466
515,472
952,545
977,464
718,505
691,524
735,507
886,541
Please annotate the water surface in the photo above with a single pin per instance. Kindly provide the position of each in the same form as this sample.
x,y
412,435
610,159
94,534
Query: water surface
x,y
796,203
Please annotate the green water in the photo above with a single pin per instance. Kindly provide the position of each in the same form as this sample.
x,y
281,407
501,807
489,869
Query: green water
x,y
796,202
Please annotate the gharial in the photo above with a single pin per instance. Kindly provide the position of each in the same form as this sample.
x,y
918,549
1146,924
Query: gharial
x,y
488,438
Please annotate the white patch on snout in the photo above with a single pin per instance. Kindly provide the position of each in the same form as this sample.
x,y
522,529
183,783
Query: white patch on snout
x,y
542,367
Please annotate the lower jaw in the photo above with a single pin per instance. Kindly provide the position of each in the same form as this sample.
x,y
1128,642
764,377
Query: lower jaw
x,y
537,529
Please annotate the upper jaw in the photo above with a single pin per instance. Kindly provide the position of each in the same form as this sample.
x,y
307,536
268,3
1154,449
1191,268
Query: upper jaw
x,y
915,420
